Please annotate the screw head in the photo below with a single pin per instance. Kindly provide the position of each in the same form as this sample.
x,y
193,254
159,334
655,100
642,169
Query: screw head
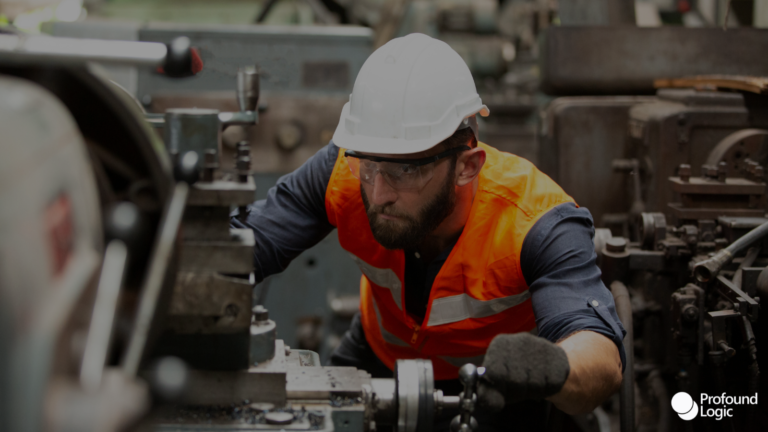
x,y
244,163
260,313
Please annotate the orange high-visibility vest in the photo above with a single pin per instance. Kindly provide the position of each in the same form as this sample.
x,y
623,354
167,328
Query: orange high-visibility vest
x,y
480,291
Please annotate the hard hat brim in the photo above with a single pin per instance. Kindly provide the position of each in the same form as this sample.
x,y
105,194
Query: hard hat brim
x,y
396,145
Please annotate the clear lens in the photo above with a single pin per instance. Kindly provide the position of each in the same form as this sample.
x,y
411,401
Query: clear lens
x,y
397,176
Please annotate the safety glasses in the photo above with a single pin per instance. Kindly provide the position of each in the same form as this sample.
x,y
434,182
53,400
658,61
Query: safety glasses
x,y
400,174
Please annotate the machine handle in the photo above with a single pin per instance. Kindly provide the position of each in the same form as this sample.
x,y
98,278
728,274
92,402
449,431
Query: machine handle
x,y
176,59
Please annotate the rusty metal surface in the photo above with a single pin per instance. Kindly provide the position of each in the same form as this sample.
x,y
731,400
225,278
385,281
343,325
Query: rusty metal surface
x,y
687,213
242,416
321,382
222,193
206,223
582,136
731,186
234,256
679,128
209,303
626,60
724,82
226,387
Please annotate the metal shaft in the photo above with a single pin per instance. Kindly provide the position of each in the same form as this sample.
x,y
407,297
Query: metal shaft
x,y
67,50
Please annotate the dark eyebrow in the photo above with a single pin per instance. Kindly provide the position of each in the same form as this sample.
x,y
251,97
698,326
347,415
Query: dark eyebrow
x,y
417,162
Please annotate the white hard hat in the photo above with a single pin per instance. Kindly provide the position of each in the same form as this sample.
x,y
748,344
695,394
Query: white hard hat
x,y
411,94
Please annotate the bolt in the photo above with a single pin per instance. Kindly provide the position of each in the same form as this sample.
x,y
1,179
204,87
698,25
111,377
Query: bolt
x,y
708,171
243,168
209,165
691,313
243,148
722,171
759,174
260,313
231,310
684,171
729,351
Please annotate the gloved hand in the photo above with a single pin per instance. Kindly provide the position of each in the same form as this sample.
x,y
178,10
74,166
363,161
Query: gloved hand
x,y
518,367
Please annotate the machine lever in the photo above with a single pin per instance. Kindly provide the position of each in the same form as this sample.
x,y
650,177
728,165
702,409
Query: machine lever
x,y
469,375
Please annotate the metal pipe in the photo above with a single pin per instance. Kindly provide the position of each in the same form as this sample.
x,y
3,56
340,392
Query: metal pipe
x,y
102,320
161,263
662,396
708,269
451,402
627,391
60,49
752,254
175,58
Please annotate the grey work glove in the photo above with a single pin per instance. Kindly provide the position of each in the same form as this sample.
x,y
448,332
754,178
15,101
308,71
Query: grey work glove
x,y
519,367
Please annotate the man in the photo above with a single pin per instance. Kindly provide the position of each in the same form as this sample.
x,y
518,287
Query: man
x,y
466,252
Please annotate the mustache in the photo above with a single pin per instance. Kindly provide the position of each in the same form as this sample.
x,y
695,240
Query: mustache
x,y
388,210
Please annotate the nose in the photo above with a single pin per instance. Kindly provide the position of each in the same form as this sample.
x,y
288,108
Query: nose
x,y
383,193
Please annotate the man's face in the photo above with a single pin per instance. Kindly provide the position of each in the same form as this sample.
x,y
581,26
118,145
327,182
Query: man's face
x,y
402,219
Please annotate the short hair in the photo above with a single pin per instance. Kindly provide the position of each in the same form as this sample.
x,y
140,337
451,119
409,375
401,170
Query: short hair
x,y
459,138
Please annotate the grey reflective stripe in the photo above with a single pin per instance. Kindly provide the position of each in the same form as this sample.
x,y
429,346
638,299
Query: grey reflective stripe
x,y
461,361
385,278
460,307
387,336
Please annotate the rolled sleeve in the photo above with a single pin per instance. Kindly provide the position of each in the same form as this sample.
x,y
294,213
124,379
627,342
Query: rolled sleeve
x,y
558,261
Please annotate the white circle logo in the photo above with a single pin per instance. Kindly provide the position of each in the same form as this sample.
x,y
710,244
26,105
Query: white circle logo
x,y
685,406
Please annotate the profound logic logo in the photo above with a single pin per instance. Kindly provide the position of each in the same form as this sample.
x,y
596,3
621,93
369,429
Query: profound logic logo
x,y
688,409
685,406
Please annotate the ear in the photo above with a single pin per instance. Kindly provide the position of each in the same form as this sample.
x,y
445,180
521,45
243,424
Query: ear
x,y
469,165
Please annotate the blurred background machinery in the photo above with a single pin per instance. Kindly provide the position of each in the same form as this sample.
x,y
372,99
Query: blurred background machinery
x,y
644,111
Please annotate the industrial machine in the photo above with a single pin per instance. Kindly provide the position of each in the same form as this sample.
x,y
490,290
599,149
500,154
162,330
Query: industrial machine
x,y
680,210
149,323
695,275
90,217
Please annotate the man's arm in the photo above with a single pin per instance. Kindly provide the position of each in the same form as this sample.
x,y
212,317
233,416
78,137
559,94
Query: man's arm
x,y
595,372
573,307
292,218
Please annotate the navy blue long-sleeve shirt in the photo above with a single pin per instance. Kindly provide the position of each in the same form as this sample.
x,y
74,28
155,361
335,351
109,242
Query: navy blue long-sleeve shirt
x,y
557,257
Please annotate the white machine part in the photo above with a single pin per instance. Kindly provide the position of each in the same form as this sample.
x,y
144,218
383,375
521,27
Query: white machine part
x,y
50,256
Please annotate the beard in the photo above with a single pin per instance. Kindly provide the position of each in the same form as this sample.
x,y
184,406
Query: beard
x,y
410,231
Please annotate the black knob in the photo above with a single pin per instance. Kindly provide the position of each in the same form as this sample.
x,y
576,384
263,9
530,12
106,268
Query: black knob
x,y
123,222
187,168
168,378
178,60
